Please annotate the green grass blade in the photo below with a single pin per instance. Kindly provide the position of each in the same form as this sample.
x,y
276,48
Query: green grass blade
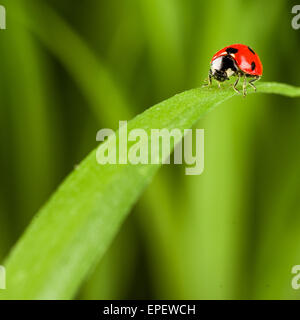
x,y
93,77
73,230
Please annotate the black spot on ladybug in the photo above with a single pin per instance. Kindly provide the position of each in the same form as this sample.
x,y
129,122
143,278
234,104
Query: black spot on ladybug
x,y
231,50
251,50
253,65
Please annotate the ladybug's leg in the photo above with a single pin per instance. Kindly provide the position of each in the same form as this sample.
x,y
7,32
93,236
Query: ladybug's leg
x,y
251,82
209,80
236,83
244,86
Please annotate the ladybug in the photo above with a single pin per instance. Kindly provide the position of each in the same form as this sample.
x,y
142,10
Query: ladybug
x,y
236,60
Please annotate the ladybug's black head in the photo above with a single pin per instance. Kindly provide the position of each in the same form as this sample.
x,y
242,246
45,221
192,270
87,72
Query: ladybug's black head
x,y
223,67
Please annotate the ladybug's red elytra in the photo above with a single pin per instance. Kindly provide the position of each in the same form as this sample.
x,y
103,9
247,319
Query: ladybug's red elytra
x,y
236,60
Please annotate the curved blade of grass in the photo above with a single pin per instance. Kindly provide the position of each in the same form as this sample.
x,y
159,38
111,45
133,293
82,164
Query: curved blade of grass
x,y
94,78
72,231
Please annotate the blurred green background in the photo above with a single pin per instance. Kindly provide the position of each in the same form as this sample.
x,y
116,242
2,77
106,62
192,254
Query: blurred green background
x,y
70,68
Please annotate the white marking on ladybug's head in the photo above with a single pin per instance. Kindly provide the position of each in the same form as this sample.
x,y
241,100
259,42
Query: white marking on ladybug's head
x,y
229,72
233,55
216,64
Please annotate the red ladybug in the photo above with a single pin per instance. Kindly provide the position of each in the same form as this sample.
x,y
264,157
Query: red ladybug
x,y
236,60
